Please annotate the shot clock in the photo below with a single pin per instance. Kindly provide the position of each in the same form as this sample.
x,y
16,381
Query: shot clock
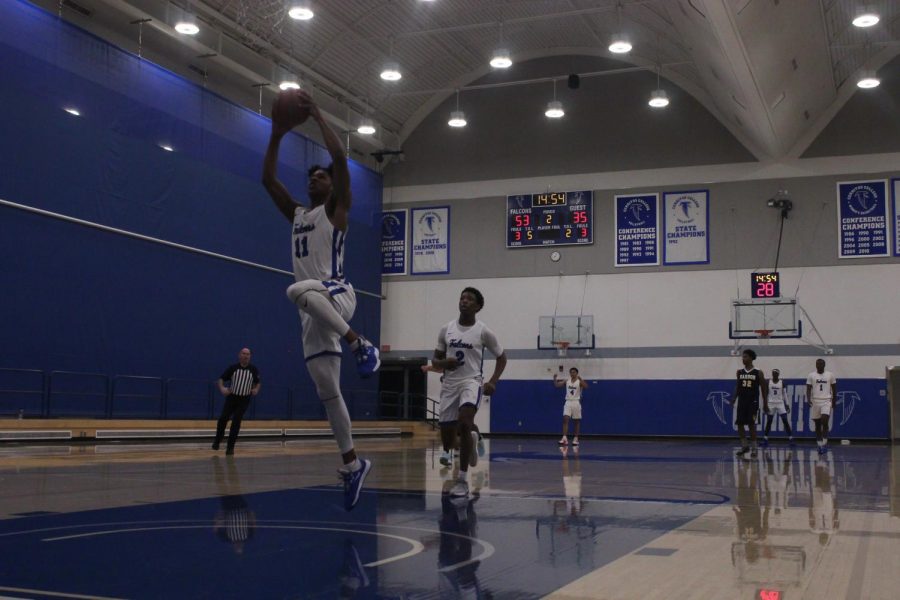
x,y
550,219
765,285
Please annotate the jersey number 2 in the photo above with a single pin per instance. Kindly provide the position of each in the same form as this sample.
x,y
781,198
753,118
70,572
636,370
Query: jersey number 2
x,y
300,249
460,356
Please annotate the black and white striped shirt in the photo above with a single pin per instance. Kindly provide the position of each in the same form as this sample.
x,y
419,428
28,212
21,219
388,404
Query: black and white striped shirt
x,y
242,378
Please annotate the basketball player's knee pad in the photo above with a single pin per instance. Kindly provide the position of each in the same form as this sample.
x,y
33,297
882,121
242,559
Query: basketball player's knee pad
x,y
296,291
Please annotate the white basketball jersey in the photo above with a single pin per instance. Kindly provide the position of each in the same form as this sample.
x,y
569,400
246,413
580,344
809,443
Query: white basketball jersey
x,y
776,392
317,246
821,384
573,390
466,345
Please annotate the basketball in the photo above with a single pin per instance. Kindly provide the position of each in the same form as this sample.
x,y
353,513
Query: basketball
x,y
289,110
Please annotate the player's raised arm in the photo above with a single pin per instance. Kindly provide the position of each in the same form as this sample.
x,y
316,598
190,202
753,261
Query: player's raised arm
x,y
583,382
279,194
338,206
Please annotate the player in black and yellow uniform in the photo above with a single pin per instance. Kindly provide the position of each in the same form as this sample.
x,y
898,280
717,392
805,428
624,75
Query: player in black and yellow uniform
x,y
750,381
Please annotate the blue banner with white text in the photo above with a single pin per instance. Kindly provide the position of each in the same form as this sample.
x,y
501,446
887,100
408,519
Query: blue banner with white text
x,y
637,230
862,219
393,242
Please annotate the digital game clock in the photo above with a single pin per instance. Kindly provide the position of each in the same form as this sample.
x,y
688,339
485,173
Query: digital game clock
x,y
765,285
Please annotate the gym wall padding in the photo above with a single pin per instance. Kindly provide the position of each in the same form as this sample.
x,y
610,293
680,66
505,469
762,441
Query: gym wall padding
x,y
80,299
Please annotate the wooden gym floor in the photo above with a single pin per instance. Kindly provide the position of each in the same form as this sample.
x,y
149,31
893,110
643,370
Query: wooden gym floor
x,y
616,519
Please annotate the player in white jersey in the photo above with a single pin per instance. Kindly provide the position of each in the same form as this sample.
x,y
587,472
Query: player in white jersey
x,y
821,393
824,518
572,408
460,354
778,405
326,301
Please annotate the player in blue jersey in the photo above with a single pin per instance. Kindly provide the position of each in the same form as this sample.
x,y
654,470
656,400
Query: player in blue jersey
x,y
325,299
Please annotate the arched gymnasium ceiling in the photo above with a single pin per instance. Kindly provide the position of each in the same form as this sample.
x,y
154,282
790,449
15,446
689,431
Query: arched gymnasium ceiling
x,y
773,72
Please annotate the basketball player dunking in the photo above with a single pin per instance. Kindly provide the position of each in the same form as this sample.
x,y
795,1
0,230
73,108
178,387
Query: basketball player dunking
x,y
325,299
750,381
465,339
572,409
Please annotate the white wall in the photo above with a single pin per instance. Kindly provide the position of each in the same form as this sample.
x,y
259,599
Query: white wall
x,y
851,305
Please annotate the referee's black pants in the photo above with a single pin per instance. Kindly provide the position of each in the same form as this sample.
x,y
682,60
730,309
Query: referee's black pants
x,y
234,409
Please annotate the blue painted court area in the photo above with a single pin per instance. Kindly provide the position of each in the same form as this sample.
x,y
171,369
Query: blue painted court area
x,y
300,543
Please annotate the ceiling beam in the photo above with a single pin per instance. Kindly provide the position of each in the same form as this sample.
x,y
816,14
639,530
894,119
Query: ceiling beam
x,y
762,129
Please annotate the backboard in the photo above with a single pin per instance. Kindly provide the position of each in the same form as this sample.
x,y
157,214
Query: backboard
x,y
779,316
577,330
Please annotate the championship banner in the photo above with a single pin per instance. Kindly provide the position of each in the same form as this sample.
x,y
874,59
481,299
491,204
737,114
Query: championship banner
x,y
686,223
393,242
431,240
637,230
862,219
896,185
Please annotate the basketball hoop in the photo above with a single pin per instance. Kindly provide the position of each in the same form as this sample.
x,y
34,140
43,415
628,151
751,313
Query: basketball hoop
x,y
763,336
562,348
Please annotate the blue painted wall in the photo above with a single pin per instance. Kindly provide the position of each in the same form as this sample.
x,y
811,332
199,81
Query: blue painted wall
x,y
678,407
85,300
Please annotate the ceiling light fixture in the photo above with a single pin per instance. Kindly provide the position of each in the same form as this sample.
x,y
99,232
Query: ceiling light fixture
x,y
72,111
300,11
658,97
290,82
866,17
554,107
619,44
366,127
501,58
187,26
868,80
391,71
167,147
457,117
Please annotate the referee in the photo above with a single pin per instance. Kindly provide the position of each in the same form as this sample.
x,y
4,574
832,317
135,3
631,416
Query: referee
x,y
244,383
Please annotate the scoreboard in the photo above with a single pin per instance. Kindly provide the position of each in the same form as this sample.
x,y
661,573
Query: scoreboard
x,y
765,285
550,219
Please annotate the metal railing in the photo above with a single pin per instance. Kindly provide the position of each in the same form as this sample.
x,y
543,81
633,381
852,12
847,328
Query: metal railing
x,y
22,407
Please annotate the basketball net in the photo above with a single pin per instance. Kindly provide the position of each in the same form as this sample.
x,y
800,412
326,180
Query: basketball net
x,y
763,336
562,348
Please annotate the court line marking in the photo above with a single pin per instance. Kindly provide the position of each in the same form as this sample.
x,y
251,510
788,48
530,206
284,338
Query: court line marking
x,y
57,594
488,552
416,546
